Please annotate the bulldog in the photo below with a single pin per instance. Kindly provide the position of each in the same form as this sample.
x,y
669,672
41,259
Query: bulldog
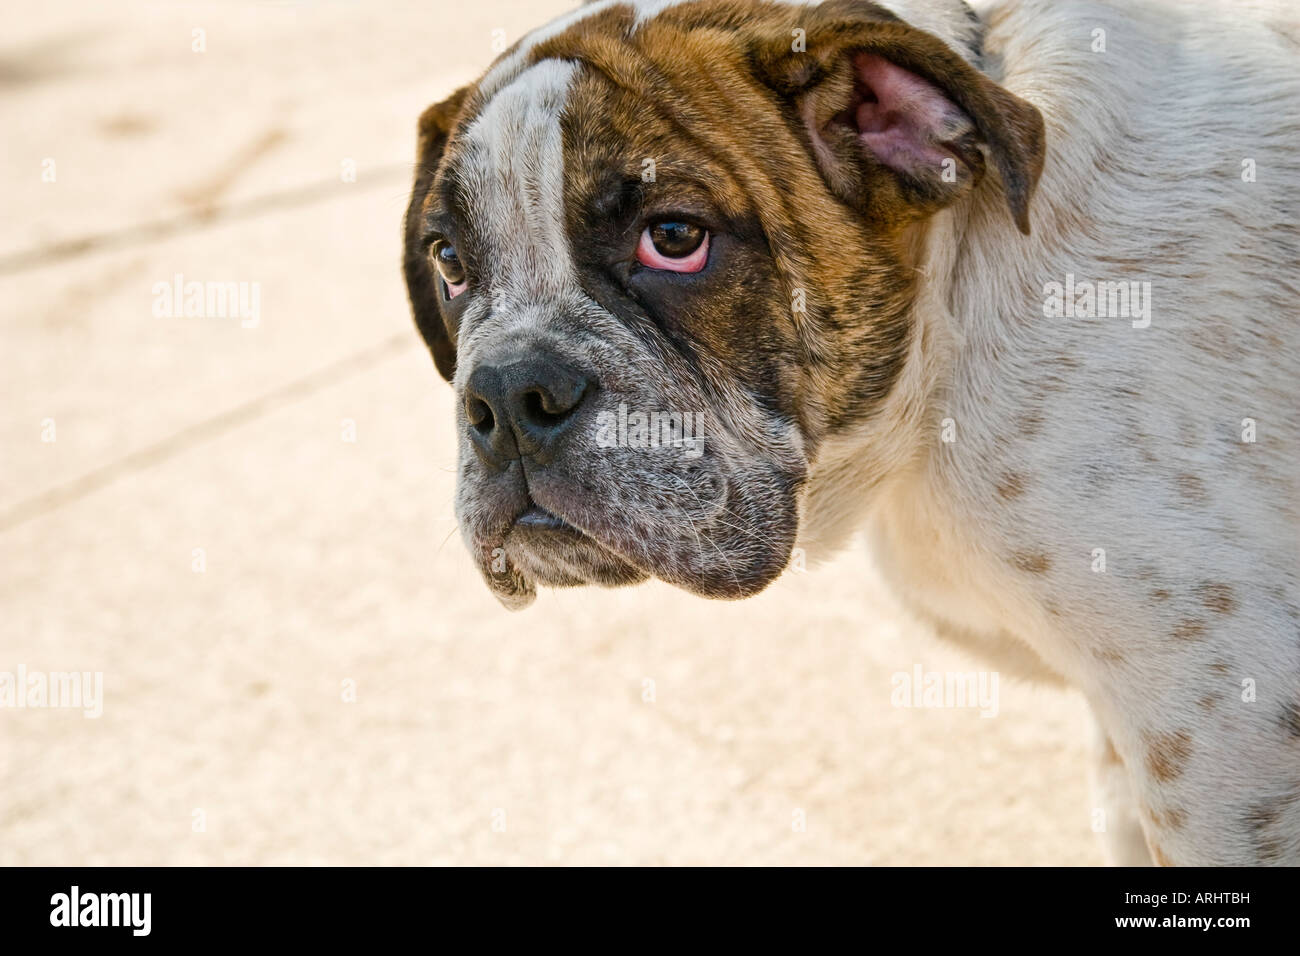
x,y
1012,289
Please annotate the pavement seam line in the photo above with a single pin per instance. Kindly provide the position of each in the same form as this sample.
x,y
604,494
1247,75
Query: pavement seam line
x,y
204,431
63,250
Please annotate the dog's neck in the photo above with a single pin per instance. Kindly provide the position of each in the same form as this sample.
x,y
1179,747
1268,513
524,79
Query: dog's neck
x,y
848,483
903,436
976,303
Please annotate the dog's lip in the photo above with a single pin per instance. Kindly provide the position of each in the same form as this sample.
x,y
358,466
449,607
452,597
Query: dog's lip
x,y
538,518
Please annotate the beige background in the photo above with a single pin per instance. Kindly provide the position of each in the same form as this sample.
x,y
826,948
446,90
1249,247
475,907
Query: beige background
x,y
330,561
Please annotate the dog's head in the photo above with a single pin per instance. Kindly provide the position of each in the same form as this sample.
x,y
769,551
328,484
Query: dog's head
x,y
666,259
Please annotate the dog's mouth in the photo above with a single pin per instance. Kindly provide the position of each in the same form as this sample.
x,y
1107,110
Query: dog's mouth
x,y
539,547
537,518
720,526
727,547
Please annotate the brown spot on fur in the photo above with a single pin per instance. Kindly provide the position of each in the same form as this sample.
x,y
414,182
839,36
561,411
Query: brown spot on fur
x,y
1167,754
1031,424
1168,820
1110,756
1191,488
1160,594
1032,562
1106,653
1217,596
1220,667
1158,855
1263,822
1011,486
1209,701
1189,629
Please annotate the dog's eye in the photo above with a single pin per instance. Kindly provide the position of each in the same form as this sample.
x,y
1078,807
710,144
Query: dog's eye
x,y
449,267
673,246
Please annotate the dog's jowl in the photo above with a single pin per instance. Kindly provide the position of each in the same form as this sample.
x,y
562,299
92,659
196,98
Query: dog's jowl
x,y
1012,287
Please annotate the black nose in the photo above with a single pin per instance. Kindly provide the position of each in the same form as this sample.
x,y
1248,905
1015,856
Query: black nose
x,y
522,406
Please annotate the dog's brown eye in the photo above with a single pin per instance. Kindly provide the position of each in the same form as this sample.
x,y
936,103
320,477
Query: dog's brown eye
x,y
449,267
676,240
673,246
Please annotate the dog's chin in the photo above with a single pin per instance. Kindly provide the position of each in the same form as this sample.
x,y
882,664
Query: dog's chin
x,y
539,548
546,550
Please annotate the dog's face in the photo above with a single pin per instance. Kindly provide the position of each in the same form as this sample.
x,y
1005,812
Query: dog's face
x,y
664,261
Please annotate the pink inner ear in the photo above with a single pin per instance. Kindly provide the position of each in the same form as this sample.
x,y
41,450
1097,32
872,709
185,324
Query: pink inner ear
x,y
902,118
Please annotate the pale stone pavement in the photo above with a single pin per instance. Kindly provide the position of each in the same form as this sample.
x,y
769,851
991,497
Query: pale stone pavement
x,y
476,736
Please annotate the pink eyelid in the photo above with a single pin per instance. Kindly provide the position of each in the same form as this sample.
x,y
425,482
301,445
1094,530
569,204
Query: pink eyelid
x,y
455,290
648,255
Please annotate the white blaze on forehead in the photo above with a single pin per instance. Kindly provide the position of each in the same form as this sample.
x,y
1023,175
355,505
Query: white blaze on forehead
x,y
513,175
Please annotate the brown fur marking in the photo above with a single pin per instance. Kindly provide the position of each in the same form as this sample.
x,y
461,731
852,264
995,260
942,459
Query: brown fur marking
x,y
1032,562
1167,754
1217,596
1011,486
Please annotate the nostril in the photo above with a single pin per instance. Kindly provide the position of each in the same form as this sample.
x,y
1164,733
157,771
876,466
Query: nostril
x,y
540,408
479,414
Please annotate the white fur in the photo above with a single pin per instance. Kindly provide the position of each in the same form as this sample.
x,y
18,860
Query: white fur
x,y
1143,182
513,165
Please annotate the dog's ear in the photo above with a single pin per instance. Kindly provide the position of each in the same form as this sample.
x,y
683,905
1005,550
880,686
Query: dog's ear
x,y
898,121
422,283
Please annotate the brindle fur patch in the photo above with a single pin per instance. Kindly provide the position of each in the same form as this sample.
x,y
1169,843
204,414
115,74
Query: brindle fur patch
x,y
680,91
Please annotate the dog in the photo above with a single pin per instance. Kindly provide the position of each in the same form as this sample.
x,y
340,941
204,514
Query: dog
x,y
1014,289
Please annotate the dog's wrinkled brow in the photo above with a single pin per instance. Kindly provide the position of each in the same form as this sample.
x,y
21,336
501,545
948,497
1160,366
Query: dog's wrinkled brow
x,y
617,198
446,205
436,222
